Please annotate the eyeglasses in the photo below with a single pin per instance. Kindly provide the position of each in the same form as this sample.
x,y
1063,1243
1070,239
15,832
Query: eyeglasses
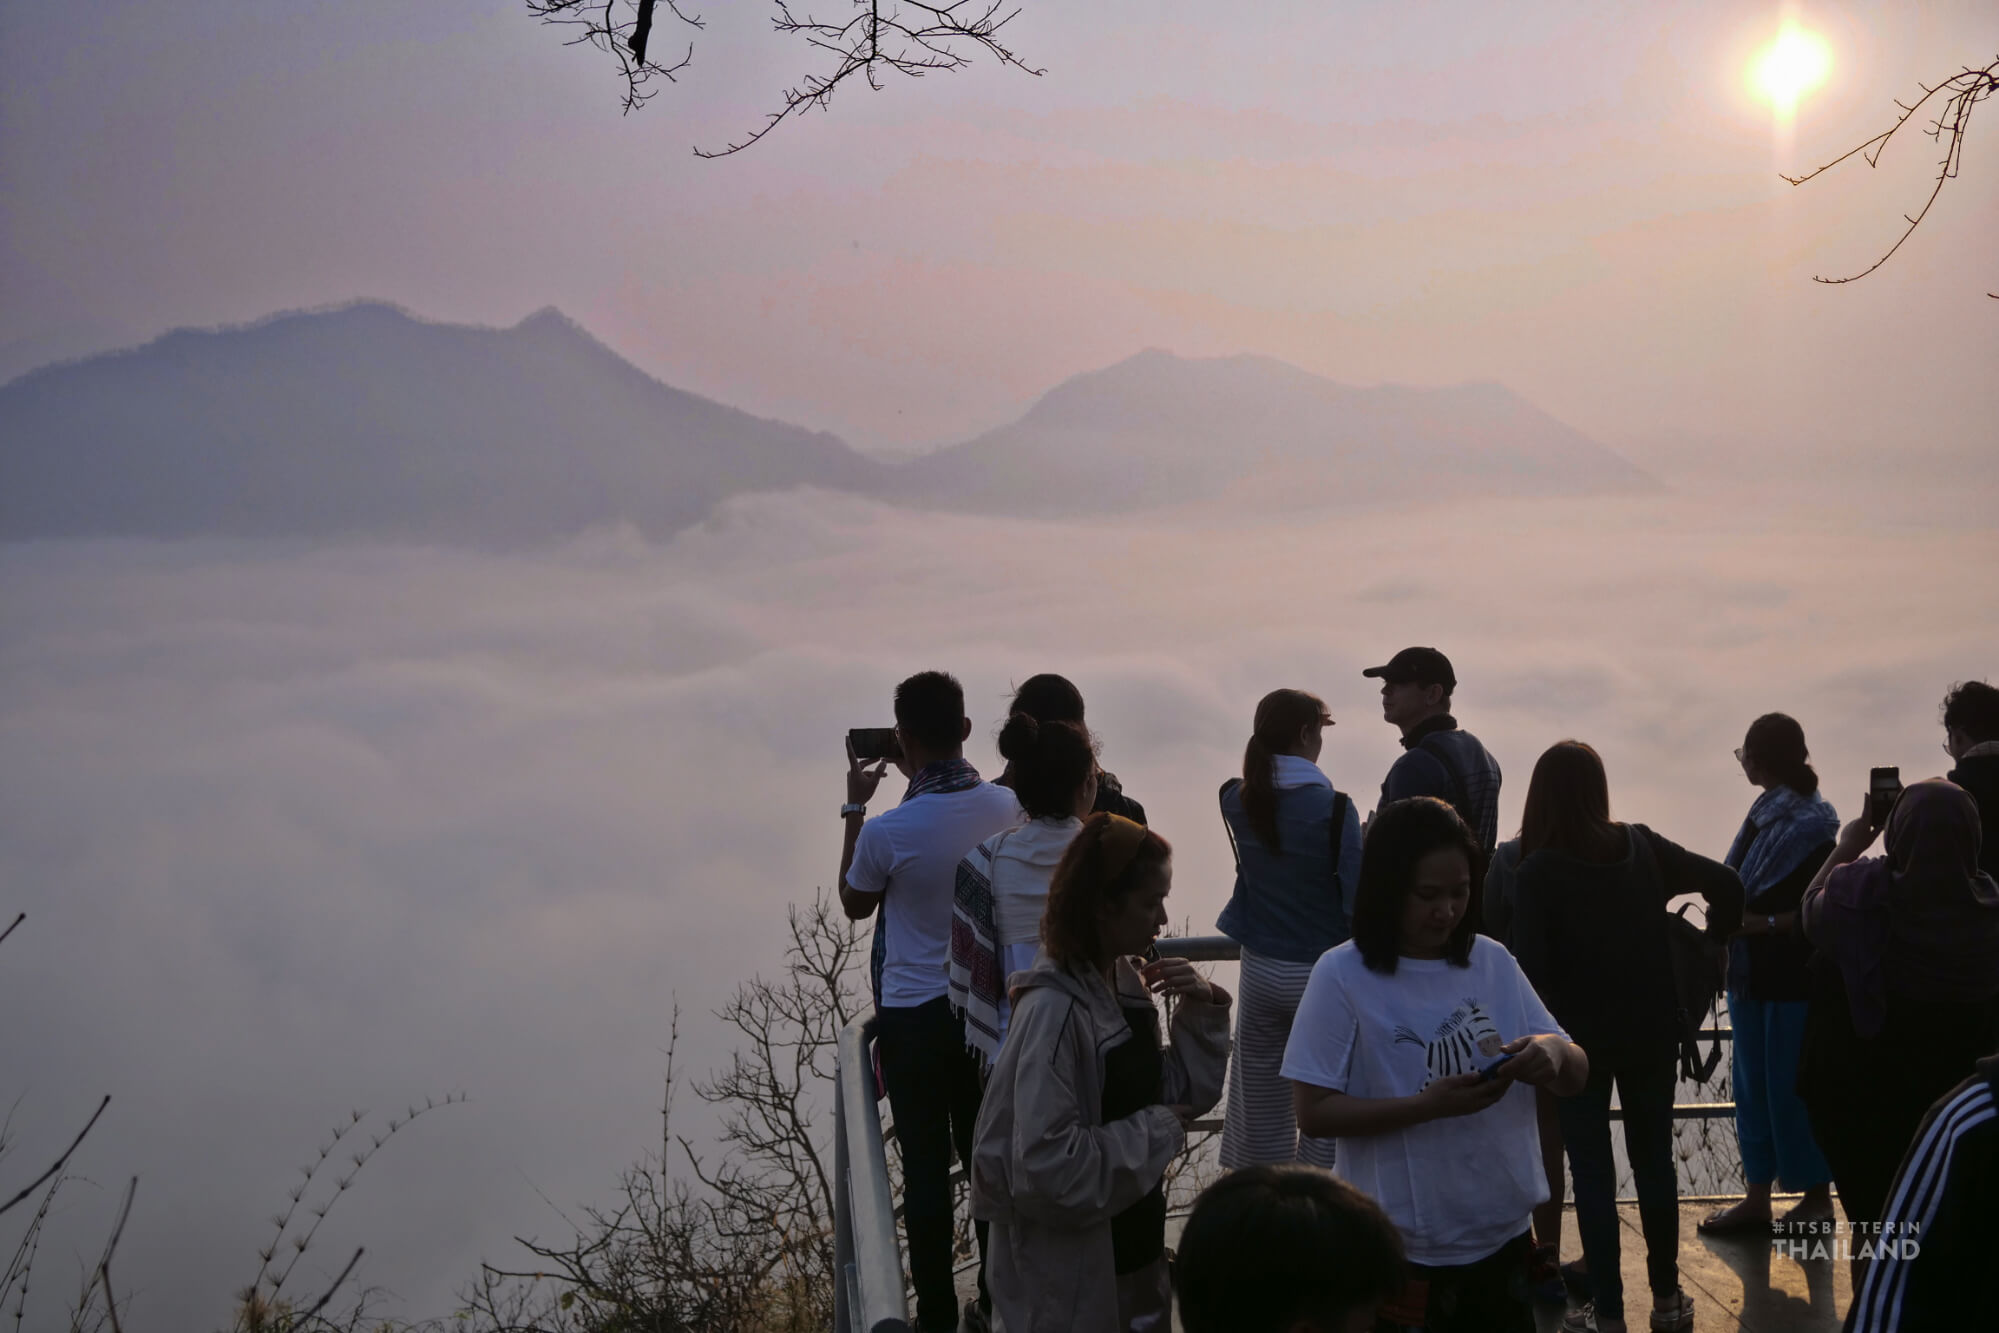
x,y
1740,753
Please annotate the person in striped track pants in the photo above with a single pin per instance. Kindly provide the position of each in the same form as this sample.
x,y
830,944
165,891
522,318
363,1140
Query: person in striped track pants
x,y
1297,845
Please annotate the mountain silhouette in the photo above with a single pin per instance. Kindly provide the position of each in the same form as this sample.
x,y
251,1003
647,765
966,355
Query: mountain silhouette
x,y
1157,429
365,421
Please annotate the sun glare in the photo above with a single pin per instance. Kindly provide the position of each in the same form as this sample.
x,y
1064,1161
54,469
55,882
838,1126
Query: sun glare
x,y
1789,67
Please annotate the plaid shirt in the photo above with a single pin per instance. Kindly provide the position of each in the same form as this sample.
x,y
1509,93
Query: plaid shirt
x,y
1452,766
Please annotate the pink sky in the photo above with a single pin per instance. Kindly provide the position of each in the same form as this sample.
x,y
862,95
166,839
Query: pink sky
x,y
1580,204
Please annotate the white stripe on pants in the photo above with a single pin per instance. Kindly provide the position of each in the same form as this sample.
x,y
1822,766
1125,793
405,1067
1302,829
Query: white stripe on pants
x,y
1260,1125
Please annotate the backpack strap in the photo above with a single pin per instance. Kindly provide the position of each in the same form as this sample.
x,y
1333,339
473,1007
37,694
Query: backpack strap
x,y
1221,798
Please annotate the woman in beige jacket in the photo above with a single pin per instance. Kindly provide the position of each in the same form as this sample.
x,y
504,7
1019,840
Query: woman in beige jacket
x,y
1085,1109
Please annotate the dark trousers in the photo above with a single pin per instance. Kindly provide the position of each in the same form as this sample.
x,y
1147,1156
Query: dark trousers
x,y
1489,1296
1645,1091
933,1093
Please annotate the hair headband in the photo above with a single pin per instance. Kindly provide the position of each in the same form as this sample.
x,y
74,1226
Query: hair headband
x,y
1121,841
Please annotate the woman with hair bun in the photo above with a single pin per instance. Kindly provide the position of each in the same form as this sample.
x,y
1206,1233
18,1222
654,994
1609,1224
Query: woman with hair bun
x,y
1085,1108
1048,697
1002,884
1786,837
1297,850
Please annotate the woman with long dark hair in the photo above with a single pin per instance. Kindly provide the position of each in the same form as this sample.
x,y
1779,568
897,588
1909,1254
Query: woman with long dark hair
x,y
1786,837
1297,850
1416,1046
1085,1109
1590,931
1905,984
1002,884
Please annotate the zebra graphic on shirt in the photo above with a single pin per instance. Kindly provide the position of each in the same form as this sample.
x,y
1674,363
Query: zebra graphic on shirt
x,y
1463,1043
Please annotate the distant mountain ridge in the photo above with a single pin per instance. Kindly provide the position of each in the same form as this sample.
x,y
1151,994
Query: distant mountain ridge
x,y
364,421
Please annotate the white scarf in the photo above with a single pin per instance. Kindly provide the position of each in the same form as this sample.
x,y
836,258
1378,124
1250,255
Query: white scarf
x,y
1291,770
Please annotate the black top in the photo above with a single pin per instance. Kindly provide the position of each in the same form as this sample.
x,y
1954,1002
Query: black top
x,y
1772,966
1979,775
1111,800
1134,1078
1592,938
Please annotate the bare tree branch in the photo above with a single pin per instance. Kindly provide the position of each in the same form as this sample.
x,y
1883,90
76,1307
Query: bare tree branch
x,y
885,36
1964,91
12,925
623,29
38,1181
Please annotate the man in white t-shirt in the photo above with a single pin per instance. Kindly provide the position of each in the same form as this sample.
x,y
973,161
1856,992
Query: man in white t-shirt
x,y
900,868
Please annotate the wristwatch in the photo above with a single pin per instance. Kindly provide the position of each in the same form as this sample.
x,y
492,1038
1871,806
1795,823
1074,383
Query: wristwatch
x,y
853,808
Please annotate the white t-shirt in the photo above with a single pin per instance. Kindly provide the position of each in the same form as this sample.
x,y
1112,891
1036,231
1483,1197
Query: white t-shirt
x,y
910,855
1461,1187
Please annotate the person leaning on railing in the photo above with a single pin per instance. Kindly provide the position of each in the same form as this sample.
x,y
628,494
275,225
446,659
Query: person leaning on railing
x,y
1085,1110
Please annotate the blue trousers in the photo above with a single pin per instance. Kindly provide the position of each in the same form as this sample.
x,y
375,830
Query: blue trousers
x,y
1771,1124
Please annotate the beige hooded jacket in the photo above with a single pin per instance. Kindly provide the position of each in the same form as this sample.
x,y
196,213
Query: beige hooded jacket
x,y
1045,1172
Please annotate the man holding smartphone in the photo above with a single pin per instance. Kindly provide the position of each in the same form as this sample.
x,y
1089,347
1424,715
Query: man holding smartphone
x,y
900,868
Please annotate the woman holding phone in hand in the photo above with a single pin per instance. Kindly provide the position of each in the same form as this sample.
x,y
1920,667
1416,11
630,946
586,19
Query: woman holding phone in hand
x,y
1417,1045
1085,1108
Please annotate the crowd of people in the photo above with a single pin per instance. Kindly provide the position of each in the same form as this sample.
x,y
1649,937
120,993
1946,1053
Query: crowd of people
x,y
1429,1022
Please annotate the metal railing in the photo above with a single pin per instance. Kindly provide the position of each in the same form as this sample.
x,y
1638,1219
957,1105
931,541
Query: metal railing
x,y
870,1297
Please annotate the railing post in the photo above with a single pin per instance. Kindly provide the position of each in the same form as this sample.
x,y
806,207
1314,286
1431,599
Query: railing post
x,y
843,1223
875,1297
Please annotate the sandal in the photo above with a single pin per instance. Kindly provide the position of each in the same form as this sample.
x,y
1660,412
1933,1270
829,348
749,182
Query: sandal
x,y
1679,1318
1731,1222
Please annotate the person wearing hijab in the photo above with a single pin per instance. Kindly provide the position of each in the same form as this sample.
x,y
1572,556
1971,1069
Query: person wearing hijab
x,y
1905,987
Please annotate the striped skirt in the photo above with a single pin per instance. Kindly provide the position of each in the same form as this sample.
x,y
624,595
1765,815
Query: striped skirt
x,y
1260,1125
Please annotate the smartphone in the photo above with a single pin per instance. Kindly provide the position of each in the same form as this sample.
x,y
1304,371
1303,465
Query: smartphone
x,y
1883,786
869,744
1491,1071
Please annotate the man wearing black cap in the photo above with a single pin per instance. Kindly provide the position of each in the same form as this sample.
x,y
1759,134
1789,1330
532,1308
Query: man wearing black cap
x,y
1442,761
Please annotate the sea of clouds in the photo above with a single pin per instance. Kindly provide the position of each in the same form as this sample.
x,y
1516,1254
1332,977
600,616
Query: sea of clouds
x,y
305,830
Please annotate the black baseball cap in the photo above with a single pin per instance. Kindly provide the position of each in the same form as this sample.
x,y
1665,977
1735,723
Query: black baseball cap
x,y
1424,666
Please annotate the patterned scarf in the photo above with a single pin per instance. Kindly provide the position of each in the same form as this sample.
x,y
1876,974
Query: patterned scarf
x,y
976,983
941,778
1782,828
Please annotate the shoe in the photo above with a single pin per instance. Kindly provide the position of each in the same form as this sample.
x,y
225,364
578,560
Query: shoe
x,y
1677,1319
1581,1319
975,1320
1544,1273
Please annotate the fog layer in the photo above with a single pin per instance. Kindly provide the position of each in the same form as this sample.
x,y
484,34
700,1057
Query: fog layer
x,y
300,830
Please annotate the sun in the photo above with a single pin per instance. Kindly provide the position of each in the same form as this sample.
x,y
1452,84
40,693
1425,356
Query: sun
x,y
1789,67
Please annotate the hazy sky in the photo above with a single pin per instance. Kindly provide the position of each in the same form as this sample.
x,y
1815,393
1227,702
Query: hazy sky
x,y
1577,200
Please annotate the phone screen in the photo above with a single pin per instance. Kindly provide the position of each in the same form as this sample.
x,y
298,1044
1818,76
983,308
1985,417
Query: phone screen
x,y
1884,785
872,743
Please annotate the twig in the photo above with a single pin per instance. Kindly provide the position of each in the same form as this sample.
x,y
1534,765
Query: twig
x,y
60,1160
1967,88
320,1304
10,928
104,1264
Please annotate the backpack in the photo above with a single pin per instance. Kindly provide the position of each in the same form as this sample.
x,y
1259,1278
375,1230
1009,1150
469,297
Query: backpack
x,y
1697,982
1340,803
1698,979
